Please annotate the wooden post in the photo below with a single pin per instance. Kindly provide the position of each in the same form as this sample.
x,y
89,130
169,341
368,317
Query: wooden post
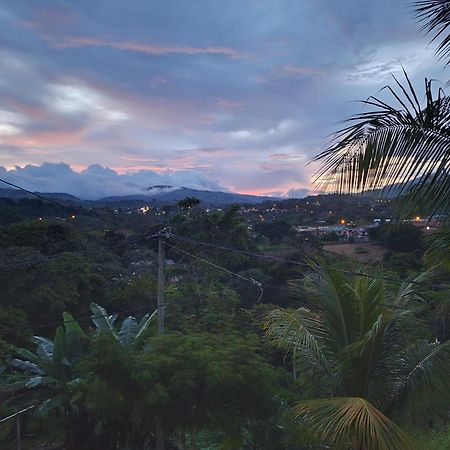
x,y
19,439
161,305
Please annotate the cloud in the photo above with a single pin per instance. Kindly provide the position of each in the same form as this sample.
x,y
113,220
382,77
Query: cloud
x,y
283,128
302,70
97,181
224,103
298,193
149,49
166,89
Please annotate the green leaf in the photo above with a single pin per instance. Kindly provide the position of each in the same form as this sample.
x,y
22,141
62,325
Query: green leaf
x,y
351,422
102,321
45,347
26,366
144,324
127,333
403,145
58,352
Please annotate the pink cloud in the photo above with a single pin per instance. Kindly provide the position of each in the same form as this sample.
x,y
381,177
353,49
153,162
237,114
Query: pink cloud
x,y
158,81
224,103
137,168
26,109
42,139
302,70
150,49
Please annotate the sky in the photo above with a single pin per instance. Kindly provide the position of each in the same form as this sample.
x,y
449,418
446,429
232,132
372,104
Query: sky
x,y
111,96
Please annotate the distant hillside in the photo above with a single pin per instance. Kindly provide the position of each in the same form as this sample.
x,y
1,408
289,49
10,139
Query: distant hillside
x,y
155,195
58,196
208,197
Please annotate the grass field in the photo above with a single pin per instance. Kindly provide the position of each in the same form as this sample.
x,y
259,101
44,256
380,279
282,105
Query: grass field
x,y
364,252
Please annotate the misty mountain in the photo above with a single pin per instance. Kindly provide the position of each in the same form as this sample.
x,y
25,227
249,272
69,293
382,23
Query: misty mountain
x,y
155,195
169,195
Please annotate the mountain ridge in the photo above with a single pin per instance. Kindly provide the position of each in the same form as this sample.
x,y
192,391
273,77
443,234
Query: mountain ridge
x,y
163,194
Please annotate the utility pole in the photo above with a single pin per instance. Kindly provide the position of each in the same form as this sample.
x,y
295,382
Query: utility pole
x,y
161,305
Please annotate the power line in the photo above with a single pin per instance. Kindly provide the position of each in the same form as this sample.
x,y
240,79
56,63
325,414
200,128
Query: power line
x,y
32,193
250,280
49,200
290,261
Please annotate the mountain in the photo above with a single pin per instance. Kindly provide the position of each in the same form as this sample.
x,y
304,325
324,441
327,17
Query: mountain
x,y
57,196
168,194
154,194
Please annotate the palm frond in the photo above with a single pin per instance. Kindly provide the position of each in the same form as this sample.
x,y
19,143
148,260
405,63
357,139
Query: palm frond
x,y
292,330
435,17
438,248
344,422
332,291
426,375
394,147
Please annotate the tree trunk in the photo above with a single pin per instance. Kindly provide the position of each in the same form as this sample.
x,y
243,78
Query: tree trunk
x,y
159,432
193,440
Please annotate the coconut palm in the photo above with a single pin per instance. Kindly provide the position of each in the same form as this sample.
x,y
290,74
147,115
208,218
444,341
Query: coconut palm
x,y
351,350
435,17
402,147
400,142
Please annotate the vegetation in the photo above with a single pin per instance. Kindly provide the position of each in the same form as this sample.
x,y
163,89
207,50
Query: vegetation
x,y
269,342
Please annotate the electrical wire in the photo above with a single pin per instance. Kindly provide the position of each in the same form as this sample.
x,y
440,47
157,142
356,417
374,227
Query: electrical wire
x,y
290,261
49,200
250,280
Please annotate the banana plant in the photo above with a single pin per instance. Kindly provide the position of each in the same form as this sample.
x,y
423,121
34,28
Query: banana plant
x,y
130,332
52,367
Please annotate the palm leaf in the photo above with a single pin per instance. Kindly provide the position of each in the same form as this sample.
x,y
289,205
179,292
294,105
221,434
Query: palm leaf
x,y
435,16
342,422
330,288
426,375
438,248
396,146
292,331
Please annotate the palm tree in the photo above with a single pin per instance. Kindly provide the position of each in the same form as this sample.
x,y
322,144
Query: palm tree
x,y
402,147
435,16
351,349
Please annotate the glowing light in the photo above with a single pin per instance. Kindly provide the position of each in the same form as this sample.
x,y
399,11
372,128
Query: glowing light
x,y
72,217
417,218
342,221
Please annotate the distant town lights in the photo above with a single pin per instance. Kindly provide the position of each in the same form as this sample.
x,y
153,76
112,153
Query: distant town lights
x,y
342,221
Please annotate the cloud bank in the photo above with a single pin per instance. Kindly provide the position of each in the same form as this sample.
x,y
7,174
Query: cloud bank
x,y
242,92
97,181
